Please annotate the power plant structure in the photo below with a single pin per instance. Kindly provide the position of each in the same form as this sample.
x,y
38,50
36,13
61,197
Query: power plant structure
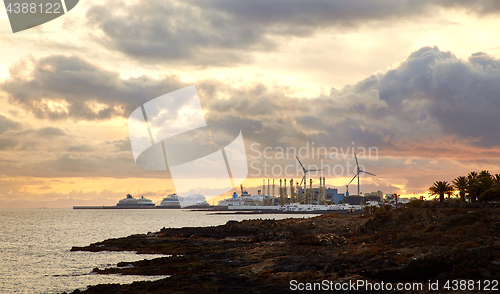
x,y
293,197
321,196
295,193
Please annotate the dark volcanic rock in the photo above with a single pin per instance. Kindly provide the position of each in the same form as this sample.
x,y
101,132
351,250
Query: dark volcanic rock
x,y
262,256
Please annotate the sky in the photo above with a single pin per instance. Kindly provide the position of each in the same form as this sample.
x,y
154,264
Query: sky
x,y
416,82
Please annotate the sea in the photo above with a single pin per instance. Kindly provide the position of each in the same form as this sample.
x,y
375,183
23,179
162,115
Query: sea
x,y
35,244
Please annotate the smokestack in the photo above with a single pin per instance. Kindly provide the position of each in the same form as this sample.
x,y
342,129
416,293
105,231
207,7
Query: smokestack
x,y
310,195
284,189
273,188
324,187
268,192
292,193
281,194
298,195
320,190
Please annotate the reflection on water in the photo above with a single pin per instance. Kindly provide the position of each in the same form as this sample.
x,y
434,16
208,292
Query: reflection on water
x,y
35,244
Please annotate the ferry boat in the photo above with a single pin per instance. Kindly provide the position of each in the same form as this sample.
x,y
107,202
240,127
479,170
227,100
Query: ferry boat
x,y
130,201
172,201
245,199
193,200
190,201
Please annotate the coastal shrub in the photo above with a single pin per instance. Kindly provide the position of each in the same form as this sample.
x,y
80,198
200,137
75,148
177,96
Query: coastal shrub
x,y
385,207
414,203
456,202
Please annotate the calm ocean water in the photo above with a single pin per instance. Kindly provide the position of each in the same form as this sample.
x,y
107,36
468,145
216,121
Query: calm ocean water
x,y
35,244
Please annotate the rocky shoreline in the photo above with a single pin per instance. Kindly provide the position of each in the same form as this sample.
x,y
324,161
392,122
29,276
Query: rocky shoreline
x,y
263,256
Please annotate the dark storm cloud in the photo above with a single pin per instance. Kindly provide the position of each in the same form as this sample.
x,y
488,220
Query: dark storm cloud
x,y
433,105
61,87
65,157
7,144
43,133
33,139
301,18
80,148
53,152
7,124
310,121
462,97
226,32
71,164
485,60
479,7
431,96
174,31
48,132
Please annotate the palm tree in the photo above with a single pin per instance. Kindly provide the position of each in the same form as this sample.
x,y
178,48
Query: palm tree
x,y
485,181
396,196
461,183
472,188
440,188
496,180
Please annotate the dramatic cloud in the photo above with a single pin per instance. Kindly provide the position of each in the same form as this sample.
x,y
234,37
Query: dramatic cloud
x,y
51,152
174,31
430,96
225,32
423,116
7,124
61,87
433,87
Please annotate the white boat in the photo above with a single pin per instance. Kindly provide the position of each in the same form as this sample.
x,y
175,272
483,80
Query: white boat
x,y
130,201
175,201
303,207
245,199
341,206
172,201
193,200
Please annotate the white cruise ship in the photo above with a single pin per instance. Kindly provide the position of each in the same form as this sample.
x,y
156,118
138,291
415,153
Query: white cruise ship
x,y
190,201
245,199
130,201
172,201
193,200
